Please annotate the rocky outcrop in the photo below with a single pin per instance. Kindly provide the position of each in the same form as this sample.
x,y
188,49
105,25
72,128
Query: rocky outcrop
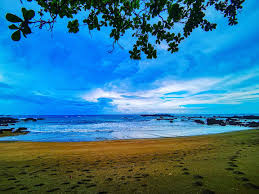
x,y
246,117
157,115
7,130
21,129
199,121
213,121
4,124
4,121
253,124
234,121
29,119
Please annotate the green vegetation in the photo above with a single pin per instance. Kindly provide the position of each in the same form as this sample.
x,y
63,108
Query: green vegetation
x,y
222,163
149,22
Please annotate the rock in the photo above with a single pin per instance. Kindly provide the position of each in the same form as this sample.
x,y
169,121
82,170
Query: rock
x,y
8,130
199,121
253,124
20,129
4,124
7,120
231,121
165,119
30,119
247,117
157,115
40,119
213,121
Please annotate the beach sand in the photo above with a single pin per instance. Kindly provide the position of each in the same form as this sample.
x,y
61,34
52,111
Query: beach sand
x,y
221,163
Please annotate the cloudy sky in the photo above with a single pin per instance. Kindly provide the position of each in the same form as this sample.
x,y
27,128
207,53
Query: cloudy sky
x,y
62,73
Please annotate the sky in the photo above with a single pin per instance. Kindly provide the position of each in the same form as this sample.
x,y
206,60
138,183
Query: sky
x,y
62,73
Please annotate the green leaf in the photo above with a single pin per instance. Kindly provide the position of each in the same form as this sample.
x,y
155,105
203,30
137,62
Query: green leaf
x,y
13,18
28,14
12,27
26,30
16,36
24,12
73,26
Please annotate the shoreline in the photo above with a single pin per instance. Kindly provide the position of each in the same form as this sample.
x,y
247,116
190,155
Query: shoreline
x,y
216,163
111,140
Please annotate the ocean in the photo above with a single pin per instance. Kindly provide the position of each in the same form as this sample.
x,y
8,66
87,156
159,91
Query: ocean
x,y
76,128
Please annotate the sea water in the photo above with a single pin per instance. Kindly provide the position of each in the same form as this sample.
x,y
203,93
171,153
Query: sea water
x,y
76,128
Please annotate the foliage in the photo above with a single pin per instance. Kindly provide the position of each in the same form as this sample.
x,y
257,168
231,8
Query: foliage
x,y
150,22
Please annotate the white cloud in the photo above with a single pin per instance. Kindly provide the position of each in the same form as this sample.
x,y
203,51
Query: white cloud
x,y
155,100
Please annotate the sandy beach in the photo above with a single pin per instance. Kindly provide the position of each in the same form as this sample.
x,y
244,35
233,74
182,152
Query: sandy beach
x,y
222,163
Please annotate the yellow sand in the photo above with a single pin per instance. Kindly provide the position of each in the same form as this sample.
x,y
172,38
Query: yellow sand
x,y
222,163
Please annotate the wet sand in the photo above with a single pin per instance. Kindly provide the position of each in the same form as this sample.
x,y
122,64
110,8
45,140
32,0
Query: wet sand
x,y
222,163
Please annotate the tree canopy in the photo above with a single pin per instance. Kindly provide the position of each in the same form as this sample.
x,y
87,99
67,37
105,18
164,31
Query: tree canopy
x,y
150,22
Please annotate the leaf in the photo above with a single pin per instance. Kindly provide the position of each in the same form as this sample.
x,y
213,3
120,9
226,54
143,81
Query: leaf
x,y
73,26
13,18
26,30
24,12
16,36
12,27
28,14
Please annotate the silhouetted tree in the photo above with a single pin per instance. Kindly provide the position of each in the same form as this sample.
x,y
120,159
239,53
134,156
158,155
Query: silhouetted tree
x,y
142,18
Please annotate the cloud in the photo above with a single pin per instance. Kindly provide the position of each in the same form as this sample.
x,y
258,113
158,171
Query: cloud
x,y
196,91
67,73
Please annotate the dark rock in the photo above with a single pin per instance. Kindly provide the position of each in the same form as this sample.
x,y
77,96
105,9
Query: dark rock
x,y
166,119
30,119
247,117
199,121
235,122
40,119
20,129
8,130
253,124
213,121
156,115
7,120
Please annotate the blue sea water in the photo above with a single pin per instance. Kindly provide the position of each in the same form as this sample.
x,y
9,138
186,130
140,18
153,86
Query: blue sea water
x,y
76,128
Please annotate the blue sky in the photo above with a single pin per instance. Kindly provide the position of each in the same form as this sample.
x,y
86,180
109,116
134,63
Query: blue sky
x,y
62,73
